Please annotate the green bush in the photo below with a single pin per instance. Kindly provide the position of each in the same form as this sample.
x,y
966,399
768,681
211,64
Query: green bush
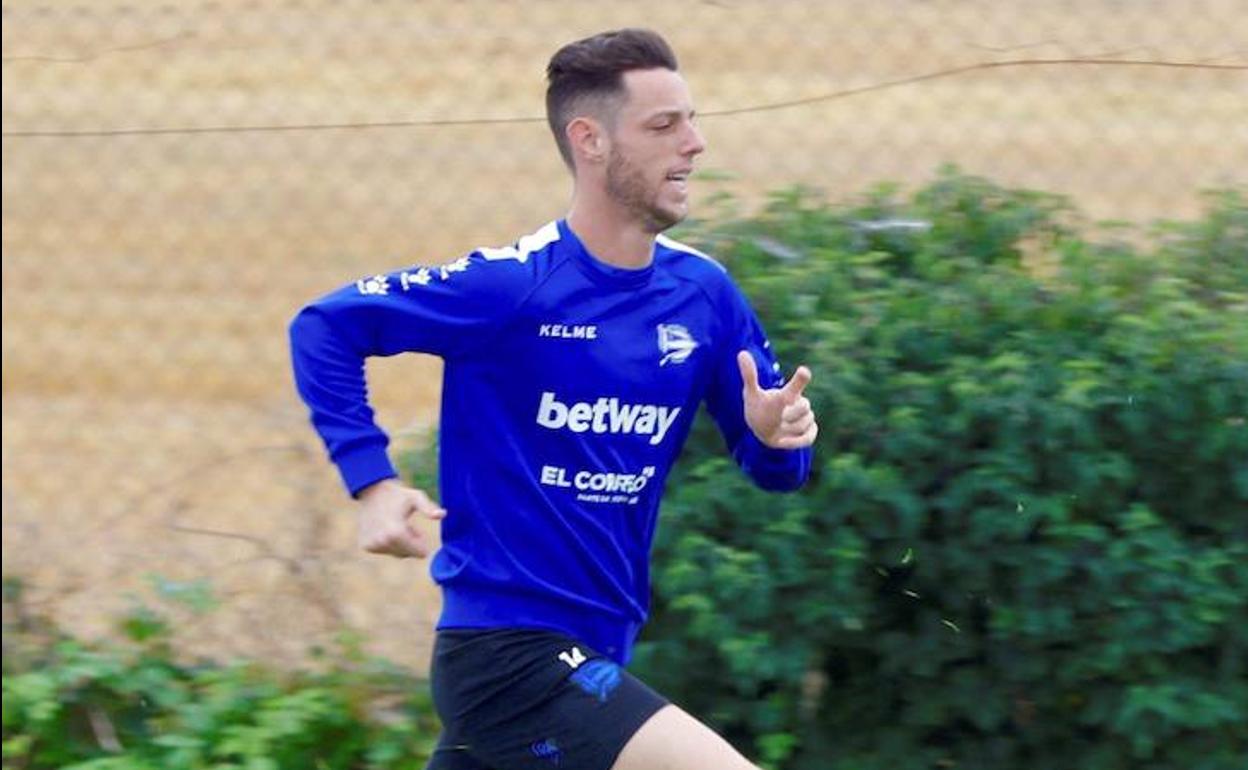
x,y
135,707
1025,541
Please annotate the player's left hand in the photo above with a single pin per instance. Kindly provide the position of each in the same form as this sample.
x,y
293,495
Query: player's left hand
x,y
780,417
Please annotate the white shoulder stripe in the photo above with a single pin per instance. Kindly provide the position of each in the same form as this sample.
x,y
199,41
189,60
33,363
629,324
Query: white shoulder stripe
x,y
549,233
678,246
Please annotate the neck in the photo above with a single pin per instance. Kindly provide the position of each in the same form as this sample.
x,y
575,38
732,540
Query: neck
x,y
610,234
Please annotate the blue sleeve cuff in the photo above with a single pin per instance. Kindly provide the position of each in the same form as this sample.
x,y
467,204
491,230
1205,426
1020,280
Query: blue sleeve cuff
x,y
364,466
776,470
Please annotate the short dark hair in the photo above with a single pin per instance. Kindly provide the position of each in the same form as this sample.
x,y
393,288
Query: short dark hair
x,y
593,68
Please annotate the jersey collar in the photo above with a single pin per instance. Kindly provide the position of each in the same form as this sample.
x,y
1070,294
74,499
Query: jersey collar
x,y
598,271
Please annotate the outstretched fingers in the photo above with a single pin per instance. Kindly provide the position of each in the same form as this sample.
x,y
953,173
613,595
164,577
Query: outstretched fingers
x,y
749,370
781,417
796,384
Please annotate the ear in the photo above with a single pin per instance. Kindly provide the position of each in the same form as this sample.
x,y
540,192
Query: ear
x,y
587,139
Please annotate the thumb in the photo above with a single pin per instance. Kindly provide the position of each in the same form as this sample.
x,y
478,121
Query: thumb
x,y
794,387
421,503
749,370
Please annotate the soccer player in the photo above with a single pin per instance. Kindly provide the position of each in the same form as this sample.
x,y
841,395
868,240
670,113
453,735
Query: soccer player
x,y
575,360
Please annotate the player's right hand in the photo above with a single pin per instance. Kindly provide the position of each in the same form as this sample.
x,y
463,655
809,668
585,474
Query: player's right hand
x,y
385,525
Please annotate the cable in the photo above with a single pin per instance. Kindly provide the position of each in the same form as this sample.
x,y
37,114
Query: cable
x,y
439,123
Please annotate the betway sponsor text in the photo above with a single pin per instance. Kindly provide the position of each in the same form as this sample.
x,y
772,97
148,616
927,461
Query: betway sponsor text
x,y
607,415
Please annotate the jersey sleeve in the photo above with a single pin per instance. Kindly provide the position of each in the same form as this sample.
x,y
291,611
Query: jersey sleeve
x,y
777,470
444,311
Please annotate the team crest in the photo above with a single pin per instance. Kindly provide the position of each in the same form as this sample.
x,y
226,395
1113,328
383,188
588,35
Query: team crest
x,y
675,343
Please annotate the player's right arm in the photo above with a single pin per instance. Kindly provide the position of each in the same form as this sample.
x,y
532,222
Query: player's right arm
x,y
442,311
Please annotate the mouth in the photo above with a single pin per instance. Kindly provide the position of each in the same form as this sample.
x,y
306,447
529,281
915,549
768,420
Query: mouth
x,y
679,178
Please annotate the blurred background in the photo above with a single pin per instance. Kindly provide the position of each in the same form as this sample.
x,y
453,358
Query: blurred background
x,y
179,177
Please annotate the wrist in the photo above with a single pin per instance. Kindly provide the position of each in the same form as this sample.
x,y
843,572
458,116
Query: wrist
x,y
375,488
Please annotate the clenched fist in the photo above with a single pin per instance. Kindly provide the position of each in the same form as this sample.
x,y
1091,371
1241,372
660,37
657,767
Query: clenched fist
x,y
385,525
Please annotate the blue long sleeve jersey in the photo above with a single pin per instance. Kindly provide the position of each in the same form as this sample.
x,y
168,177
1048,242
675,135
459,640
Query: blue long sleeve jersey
x,y
569,387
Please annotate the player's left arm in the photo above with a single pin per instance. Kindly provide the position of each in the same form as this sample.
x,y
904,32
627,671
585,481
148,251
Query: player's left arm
x,y
768,424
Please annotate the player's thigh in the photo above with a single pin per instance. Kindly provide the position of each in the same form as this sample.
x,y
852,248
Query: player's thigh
x,y
673,740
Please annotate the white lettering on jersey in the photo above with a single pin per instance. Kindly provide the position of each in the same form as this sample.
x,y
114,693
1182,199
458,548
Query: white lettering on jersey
x,y
458,266
607,415
420,277
590,481
568,332
378,284
573,657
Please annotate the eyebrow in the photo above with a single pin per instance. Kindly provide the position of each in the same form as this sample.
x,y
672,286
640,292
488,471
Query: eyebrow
x,y
670,114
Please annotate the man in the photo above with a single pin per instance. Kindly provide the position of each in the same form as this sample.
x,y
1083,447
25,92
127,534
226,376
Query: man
x,y
575,360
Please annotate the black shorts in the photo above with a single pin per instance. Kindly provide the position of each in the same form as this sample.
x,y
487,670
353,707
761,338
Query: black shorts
x,y
523,699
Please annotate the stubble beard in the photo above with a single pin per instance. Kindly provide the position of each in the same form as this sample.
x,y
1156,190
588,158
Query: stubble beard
x,y
626,185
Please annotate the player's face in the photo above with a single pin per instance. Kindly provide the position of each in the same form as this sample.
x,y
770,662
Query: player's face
x,y
653,144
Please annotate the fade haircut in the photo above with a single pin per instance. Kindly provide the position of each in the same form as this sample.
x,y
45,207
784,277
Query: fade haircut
x,y
589,73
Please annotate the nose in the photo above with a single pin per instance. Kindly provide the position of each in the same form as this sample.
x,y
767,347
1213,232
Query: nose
x,y
694,142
